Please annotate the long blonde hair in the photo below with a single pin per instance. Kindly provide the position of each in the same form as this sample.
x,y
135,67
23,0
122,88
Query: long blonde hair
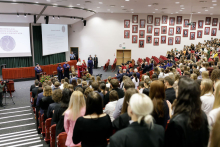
x,y
217,95
208,86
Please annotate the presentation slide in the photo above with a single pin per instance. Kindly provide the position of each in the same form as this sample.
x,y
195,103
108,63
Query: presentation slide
x,y
55,38
14,41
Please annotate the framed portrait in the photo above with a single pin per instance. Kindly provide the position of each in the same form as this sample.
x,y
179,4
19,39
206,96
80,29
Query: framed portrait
x,y
156,41
164,19
149,28
170,41
192,35
200,24
141,43
157,21
134,18
186,21
134,28
134,38
177,39
163,29
178,29
150,19
126,23
171,31
141,34
156,31
185,32
214,31
199,34
126,33
142,23
149,39
207,30
172,21
193,26
219,27
207,20
214,21
163,39
179,20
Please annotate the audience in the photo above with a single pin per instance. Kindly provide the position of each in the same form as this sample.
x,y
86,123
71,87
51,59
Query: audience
x,y
135,80
62,82
74,83
95,87
35,89
170,92
57,85
79,84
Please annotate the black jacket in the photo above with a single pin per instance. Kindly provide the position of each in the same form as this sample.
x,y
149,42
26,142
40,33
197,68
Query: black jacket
x,y
78,86
32,87
120,95
170,94
146,91
121,122
44,104
119,77
147,68
34,92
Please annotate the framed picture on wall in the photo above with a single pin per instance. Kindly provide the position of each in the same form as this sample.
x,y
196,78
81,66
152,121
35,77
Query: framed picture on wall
x,y
134,38
177,39
150,19
207,30
199,34
126,33
200,24
157,21
171,31
170,41
164,19
134,28
163,39
156,41
179,20
219,26
149,39
214,21
149,28
156,31
141,43
193,26
192,35
214,31
142,23
207,20
178,29
163,29
135,18
126,23
172,21
185,32
141,33
186,21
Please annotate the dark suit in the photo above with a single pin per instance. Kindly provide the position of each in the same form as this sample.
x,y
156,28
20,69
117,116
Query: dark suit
x,y
130,74
32,87
121,122
119,77
95,62
189,55
78,86
147,68
34,92
120,95
170,95
89,58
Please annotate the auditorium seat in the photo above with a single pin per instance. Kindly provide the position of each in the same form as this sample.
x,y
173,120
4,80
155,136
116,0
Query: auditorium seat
x,y
61,139
161,60
210,60
52,135
47,130
147,59
42,125
39,119
30,95
176,59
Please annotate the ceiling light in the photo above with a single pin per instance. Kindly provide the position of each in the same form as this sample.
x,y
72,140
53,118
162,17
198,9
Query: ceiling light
x,y
17,15
100,3
206,10
156,9
98,7
211,13
177,12
78,4
171,13
53,17
149,5
132,12
36,2
214,4
211,7
177,2
153,12
112,5
122,6
25,15
132,9
58,17
181,5
127,0
214,1
199,12
182,8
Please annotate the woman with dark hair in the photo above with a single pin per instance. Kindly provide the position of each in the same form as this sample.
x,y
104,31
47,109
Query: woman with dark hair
x,y
135,80
188,126
93,129
74,83
156,72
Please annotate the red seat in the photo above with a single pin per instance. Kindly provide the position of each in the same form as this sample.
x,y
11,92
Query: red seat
x,y
47,130
210,60
52,135
161,60
105,80
61,139
30,96
147,59
39,119
151,73
163,57
176,59
42,125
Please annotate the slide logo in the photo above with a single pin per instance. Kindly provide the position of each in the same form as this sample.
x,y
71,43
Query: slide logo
x,y
7,43
63,29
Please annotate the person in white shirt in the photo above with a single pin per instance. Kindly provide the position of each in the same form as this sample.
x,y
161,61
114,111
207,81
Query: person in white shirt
x,y
61,86
135,80
161,75
201,70
108,82
141,87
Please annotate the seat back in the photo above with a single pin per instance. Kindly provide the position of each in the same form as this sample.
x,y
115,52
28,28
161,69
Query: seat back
x,y
52,135
147,59
47,129
42,125
39,118
61,139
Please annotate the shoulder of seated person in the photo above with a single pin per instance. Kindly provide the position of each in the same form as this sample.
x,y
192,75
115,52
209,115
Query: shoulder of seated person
x,y
88,116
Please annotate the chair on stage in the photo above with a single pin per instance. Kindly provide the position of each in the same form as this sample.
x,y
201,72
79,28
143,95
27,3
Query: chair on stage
x,y
61,139
105,68
52,135
47,130
113,67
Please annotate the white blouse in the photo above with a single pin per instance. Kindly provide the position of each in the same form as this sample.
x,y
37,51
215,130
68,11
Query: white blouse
x,y
110,108
212,116
135,83
207,102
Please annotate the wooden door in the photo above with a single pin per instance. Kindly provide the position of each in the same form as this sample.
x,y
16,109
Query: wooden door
x,y
123,56
127,56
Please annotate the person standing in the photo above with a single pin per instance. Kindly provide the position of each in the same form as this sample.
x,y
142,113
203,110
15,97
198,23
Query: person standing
x,y
79,67
1,92
90,57
72,56
60,72
90,66
95,62
66,68
37,71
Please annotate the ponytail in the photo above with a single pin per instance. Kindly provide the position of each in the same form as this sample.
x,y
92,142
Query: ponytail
x,y
148,119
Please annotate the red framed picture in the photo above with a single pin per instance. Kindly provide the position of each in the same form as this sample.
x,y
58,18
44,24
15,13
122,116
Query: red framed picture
x,y
179,20
172,21
171,31
149,39
157,21
163,29
200,24
141,43
134,18
207,30
141,33
185,32
193,26
207,20
177,39
199,34
170,41
126,23
156,31
150,19
192,35
219,26
214,32
163,39
186,21
142,23
178,29
126,33
134,38
149,28
164,19
214,21
134,28
156,41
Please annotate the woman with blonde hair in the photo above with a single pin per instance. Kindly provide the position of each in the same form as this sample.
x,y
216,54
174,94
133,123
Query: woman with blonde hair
x,y
98,79
215,136
65,85
70,87
92,78
77,108
193,76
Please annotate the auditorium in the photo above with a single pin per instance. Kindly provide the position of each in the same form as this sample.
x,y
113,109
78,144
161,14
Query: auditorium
x,y
109,73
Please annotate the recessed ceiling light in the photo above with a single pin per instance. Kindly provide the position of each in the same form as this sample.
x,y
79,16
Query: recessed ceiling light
x,y
127,0
171,13
182,8
98,7
211,7
214,4
156,9
132,12
177,2
78,4
149,5
181,5
214,1
100,3
153,12
199,12
206,10
177,12
132,9
122,6
36,2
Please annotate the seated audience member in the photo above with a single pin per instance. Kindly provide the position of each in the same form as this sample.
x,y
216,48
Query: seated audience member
x,y
33,86
146,86
188,126
66,80
122,83
93,129
84,78
161,75
65,85
130,72
147,67
193,76
50,84
84,83
135,80
87,91
141,87
137,73
84,88
92,78
170,92
77,108
74,83
79,84
215,75
201,70
39,90
110,107
79,89
119,75
95,87
98,79
62,82
70,87
156,72
102,88
142,132
108,81
175,85
57,85
215,136
35,89
73,77
205,75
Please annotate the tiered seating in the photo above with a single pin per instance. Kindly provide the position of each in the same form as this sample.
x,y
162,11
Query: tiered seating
x,y
52,135
163,57
156,60
47,130
61,139
114,65
147,59
42,125
105,68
